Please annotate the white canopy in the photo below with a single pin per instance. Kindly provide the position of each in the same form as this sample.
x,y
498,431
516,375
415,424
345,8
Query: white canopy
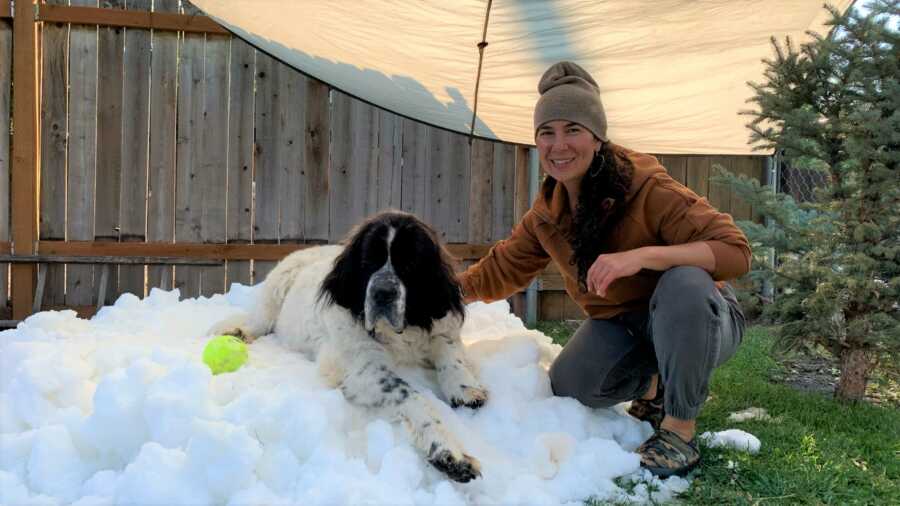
x,y
673,73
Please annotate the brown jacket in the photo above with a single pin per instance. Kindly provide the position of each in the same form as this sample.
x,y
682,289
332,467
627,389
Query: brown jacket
x,y
660,211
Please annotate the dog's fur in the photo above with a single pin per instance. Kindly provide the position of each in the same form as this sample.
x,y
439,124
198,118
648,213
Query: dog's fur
x,y
388,298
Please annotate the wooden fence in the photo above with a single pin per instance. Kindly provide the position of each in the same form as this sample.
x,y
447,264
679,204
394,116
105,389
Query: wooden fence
x,y
180,140
6,72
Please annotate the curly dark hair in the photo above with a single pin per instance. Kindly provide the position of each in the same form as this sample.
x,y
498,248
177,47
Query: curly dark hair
x,y
601,205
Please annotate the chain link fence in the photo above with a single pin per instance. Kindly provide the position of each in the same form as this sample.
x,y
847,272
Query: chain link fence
x,y
799,183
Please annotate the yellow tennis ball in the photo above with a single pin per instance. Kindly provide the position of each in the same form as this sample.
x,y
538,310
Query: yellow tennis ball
x,y
224,354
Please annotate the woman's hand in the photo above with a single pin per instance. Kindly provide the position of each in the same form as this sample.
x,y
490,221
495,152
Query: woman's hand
x,y
608,268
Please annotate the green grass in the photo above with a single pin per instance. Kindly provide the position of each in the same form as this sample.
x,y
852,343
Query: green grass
x,y
814,451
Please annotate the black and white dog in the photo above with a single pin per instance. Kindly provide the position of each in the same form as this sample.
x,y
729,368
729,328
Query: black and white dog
x,y
388,298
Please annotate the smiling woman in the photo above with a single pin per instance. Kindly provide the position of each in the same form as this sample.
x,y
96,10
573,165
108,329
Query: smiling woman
x,y
645,258
566,150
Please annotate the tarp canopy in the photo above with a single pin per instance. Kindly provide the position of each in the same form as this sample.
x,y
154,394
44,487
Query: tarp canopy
x,y
673,73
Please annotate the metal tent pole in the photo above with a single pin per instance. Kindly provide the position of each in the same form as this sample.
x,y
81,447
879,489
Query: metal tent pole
x,y
531,293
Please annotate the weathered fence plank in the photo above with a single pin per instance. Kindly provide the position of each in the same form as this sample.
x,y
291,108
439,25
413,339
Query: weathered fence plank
x,y
449,179
522,198
6,42
239,198
552,305
719,193
521,204
437,203
188,193
364,167
54,139
353,188
416,190
390,161
697,174
317,162
135,147
163,123
759,173
213,155
110,78
480,192
503,190
743,166
292,138
82,160
267,154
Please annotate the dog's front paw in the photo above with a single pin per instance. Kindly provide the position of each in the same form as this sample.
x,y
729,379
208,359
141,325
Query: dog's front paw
x,y
462,468
469,396
241,334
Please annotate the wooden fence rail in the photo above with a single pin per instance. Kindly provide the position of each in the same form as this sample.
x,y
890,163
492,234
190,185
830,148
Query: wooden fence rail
x,y
158,134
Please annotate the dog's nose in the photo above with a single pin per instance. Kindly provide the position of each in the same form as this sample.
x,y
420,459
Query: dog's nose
x,y
384,294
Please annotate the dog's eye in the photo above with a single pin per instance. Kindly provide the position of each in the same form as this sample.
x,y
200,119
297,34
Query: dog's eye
x,y
403,250
375,254
378,258
403,266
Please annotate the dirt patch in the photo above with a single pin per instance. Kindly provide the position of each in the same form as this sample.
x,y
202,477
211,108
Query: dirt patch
x,y
819,373
809,374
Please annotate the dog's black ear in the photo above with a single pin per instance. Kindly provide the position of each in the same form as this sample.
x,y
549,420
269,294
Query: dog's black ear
x,y
426,270
365,252
336,287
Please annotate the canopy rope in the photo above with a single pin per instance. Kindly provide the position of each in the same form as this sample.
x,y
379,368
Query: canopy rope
x,y
481,45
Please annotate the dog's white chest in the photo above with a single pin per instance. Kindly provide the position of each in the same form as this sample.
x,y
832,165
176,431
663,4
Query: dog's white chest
x,y
410,348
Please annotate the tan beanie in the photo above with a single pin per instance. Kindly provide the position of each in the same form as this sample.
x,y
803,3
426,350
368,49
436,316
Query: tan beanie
x,y
569,93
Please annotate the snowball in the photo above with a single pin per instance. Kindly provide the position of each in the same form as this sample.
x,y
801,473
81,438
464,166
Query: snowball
x,y
749,414
550,451
732,438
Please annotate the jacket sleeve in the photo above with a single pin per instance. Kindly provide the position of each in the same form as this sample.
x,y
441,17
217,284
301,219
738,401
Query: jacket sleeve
x,y
509,266
681,216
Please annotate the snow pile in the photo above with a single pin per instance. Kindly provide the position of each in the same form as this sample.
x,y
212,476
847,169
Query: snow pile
x,y
732,438
121,410
750,414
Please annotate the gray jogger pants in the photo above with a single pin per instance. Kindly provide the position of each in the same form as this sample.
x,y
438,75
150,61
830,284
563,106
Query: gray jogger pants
x,y
692,327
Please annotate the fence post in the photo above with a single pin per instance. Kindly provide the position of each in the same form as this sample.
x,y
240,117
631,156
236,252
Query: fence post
x,y
531,293
773,174
23,188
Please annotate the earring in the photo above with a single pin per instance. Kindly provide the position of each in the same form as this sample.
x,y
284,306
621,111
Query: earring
x,y
598,168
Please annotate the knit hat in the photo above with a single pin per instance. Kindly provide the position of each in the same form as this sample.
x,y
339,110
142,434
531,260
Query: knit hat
x,y
569,93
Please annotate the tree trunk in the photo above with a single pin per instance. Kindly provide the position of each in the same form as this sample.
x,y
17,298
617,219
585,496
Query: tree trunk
x,y
856,364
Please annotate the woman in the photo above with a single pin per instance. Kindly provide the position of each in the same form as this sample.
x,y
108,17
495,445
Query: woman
x,y
643,256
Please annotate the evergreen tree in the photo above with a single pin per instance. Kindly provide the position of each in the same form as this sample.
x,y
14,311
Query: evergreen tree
x,y
833,106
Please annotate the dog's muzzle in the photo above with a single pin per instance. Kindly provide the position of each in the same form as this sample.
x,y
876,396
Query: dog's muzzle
x,y
386,299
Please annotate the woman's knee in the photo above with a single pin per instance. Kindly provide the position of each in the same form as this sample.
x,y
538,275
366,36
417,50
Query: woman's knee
x,y
563,381
687,291
567,381
600,387
682,280
566,384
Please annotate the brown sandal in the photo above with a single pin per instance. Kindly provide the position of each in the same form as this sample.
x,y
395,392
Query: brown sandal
x,y
666,454
649,410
